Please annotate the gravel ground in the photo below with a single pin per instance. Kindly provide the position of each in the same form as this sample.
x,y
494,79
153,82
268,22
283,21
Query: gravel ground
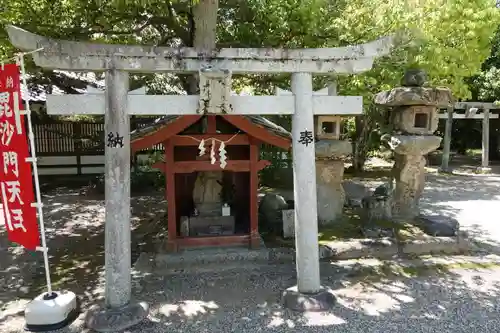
x,y
471,199
242,301
247,301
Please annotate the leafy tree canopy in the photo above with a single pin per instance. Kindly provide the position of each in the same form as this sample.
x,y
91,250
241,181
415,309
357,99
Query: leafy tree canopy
x,y
448,38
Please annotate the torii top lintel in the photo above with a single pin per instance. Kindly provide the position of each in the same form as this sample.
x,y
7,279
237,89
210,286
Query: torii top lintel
x,y
84,56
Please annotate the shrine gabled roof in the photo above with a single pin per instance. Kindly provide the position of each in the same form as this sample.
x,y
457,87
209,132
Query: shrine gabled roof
x,y
163,121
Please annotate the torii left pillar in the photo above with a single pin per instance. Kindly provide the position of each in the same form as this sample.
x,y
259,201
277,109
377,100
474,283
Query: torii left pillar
x,y
119,312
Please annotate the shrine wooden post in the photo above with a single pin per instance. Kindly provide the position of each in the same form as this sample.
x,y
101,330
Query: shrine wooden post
x,y
170,188
215,70
254,184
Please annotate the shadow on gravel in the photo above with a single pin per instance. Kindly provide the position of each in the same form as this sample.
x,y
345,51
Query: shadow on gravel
x,y
390,299
74,226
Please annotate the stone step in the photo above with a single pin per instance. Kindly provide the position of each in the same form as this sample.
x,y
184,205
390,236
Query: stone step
x,y
204,259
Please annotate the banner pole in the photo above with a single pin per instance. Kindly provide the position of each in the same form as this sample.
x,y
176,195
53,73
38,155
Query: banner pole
x,y
33,160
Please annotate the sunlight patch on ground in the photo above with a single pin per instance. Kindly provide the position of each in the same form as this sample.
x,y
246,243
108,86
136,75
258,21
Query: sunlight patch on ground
x,y
187,308
374,299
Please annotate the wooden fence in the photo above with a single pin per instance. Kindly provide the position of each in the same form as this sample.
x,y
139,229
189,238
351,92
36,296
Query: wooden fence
x,y
77,148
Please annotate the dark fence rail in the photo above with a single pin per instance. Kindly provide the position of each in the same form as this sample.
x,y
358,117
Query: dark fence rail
x,y
81,139
74,138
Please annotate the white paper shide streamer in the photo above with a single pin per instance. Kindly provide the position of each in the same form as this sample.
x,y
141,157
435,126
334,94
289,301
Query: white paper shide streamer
x,y
212,152
222,155
202,148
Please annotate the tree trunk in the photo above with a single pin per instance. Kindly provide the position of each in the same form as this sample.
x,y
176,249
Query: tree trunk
x,y
205,33
360,144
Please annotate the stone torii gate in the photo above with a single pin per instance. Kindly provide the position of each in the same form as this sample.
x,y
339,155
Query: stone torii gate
x,y
469,114
215,70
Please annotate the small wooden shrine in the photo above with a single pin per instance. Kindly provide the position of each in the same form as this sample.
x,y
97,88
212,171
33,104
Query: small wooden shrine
x,y
211,169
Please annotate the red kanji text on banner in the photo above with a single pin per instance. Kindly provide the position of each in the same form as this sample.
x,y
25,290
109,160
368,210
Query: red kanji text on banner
x,y
16,182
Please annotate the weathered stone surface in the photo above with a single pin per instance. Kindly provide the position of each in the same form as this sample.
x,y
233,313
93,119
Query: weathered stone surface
x,y
61,54
330,192
403,119
385,248
409,173
405,96
333,149
414,116
377,207
414,77
322,300
412,144
270,209
438,225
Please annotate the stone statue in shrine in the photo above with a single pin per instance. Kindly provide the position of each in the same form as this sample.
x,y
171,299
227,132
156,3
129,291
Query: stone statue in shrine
x,y
206,193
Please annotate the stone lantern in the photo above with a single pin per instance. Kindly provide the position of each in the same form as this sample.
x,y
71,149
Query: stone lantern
x,y
414,116
330,152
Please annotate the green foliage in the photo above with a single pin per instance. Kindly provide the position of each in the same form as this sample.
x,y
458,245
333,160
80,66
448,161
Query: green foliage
x,y
143,176
485,86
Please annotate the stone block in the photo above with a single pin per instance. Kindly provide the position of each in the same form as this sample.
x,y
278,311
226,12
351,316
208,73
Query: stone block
x,y
400,96
328,127
329,149
288,216
419,120
330,193
211,225
436,245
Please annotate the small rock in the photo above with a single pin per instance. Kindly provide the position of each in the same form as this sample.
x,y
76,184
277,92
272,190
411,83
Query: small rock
x,y
270,209
438,225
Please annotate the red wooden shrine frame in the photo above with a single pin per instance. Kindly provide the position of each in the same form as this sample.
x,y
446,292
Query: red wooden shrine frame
x,y
168,135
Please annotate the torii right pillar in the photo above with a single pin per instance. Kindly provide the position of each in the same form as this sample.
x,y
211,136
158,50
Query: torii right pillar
x,y
308,295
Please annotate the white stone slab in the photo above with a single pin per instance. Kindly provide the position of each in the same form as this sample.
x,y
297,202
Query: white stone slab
x,y
93,104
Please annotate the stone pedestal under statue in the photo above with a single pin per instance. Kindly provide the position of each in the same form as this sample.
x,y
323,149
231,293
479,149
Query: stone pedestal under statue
x,y
414,116
329,175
